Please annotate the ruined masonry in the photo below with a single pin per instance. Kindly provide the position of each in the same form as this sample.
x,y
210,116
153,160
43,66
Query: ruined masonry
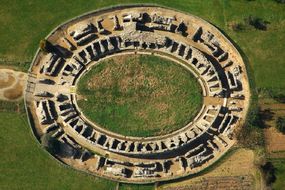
x,y
74,47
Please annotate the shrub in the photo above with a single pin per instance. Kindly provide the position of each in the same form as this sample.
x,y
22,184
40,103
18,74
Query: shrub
x,y
269,173
280,124
280,1
257,23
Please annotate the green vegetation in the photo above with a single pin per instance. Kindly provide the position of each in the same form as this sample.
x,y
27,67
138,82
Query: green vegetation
x,y
280,124
139,95
248,23
268,173
279,171
136,187
280,1
25,165
16,107
251,134
257,23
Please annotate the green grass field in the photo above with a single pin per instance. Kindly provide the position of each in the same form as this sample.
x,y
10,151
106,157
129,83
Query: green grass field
x,y
135,187
139,95
24,165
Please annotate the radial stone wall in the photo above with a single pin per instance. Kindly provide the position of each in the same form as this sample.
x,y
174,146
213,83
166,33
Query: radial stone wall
x,y
75,46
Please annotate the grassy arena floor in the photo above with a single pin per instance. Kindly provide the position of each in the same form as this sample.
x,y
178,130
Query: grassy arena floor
x,y
139,95
25,23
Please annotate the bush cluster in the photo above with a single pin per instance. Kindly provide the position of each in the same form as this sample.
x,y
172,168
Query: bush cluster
x,y
256,22
251,134
269,173
251,21
280,1
280,124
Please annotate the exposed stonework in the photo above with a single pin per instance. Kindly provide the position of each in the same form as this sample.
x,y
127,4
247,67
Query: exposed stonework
x,y
191,42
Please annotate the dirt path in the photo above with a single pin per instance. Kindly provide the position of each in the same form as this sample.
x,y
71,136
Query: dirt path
x,y
11,84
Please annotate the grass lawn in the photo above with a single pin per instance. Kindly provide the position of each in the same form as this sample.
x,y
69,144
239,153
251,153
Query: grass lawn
x,y
136,187
25,165
139,95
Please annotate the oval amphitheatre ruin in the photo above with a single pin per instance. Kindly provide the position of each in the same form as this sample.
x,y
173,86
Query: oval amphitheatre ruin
x,y
77,45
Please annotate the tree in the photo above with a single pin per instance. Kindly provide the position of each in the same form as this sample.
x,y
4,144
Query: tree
x,y
280,124
269,173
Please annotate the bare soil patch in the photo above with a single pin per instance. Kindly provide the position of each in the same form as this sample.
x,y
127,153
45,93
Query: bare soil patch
x,y
14,93
236,171
275,141
6,81
11,84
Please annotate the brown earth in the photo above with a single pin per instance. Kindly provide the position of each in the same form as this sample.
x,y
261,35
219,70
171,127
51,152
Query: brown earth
x,y
14,93
11,84
236,171
275,141
5,82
